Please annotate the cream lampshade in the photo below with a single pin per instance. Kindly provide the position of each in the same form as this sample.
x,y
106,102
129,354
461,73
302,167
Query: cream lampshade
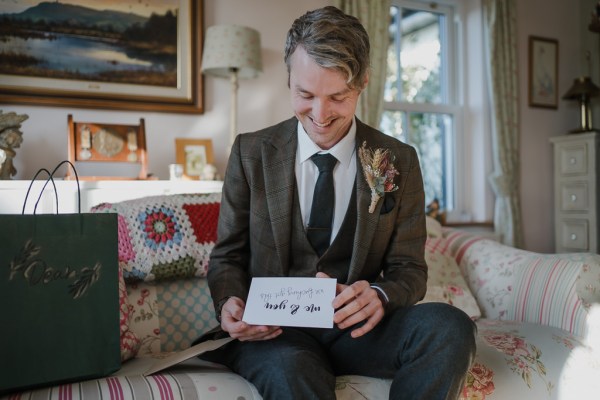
x,y
232,51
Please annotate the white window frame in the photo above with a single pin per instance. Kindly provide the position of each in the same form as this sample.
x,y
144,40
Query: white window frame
x,y
468,103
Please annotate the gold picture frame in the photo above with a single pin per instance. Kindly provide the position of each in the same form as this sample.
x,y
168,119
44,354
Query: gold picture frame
x,y
543,72
194,155
84,74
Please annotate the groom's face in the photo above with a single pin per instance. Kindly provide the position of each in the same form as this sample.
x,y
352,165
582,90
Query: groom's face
x,y
321,99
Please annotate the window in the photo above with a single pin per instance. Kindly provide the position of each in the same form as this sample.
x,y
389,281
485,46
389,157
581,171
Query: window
x,y
436,99
420,100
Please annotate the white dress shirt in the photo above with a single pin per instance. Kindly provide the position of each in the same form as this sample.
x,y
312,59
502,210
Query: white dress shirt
x,y
344,174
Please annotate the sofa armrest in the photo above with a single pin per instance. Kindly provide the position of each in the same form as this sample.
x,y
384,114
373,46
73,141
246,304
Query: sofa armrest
x,y
512,284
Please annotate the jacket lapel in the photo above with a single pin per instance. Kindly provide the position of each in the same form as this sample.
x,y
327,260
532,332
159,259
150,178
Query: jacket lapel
x,y
366,222
279,156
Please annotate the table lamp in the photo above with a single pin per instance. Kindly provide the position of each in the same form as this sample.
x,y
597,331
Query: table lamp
x,y
583,89
232,51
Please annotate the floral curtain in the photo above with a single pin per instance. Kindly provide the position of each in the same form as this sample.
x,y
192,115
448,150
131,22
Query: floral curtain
x,y
374,15
500,25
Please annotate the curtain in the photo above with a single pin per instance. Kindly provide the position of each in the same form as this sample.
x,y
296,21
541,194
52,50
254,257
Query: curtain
x,y
501,49
375,17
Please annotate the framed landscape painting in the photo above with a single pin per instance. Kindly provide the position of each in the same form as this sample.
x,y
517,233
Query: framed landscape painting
x,y
130,54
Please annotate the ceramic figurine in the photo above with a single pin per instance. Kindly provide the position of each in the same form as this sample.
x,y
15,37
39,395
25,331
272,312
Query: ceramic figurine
x,y
10,138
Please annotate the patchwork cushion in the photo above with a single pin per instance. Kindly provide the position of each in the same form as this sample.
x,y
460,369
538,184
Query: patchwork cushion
x,y
170,315
165,237
445,282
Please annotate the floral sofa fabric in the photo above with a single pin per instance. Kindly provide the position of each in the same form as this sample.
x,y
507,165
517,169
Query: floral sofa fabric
x,y
538,316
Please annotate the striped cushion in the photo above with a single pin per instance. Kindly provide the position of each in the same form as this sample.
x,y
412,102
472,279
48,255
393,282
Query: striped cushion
x,y
458,242
545,292
513,284
180,383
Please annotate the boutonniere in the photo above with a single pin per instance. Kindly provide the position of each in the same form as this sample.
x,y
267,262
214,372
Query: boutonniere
x,y
379,172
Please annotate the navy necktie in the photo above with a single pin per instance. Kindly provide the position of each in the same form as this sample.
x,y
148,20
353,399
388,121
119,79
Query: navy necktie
x,y
321,212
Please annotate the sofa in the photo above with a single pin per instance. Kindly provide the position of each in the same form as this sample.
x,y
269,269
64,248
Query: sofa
x,y
538,315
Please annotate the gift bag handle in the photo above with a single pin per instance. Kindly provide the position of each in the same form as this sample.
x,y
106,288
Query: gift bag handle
x,y
51,178
31,184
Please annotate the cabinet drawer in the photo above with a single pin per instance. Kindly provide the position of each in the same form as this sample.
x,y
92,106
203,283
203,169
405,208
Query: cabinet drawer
x,y
574,196
574,159
574,234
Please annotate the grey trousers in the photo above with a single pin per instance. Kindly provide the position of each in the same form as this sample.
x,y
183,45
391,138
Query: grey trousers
x,y
426,349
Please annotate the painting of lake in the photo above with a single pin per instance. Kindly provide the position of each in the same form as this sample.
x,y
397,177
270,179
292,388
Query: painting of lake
x,y
85,40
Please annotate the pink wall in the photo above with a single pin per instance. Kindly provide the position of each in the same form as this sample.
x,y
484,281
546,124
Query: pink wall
x,y
264,101
557,19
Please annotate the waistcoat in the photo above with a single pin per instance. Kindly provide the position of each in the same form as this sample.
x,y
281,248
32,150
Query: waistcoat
x,y
335,262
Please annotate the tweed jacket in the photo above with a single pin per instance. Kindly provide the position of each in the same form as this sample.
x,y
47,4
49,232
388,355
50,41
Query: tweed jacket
x,y
254,229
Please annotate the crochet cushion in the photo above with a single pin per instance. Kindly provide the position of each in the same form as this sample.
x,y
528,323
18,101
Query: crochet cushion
x,y
165,237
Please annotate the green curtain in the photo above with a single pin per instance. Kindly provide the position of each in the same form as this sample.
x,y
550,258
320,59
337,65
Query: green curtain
x,y
374,15
500,25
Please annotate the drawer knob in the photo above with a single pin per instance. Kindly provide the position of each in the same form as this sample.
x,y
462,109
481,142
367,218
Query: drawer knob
x,y
572,161
573,198
573,236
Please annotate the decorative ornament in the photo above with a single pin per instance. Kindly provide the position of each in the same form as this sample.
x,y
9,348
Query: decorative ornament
x,y
379,172
86,143
107,142
11,138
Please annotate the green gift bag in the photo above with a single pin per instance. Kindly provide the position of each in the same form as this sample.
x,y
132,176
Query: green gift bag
x,y
59,291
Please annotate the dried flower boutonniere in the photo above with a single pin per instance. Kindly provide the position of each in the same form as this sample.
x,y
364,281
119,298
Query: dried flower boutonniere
x,y
379,172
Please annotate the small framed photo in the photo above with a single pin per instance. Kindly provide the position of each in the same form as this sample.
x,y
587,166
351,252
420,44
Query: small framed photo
x,y
543,72
194,155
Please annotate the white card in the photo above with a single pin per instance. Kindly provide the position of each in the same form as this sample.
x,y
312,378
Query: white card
x,y
300,302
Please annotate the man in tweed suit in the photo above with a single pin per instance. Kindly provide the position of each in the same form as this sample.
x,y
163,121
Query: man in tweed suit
x,y
376,254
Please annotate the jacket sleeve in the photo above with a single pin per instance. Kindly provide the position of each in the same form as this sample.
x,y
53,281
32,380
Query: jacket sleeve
x,y
228,265
403,276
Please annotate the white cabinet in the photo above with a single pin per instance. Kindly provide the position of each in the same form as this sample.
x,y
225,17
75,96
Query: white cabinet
x,y
576,173
12,193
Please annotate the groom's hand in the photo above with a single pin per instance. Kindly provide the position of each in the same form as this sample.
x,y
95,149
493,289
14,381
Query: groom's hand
x,y
231,322
354,304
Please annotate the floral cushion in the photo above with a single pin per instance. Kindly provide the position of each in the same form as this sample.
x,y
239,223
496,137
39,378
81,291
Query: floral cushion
x,y
517,360
129,342
165,237
445,283
434,228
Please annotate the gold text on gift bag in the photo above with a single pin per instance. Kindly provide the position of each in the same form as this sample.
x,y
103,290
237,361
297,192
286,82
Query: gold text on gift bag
x,y
36,271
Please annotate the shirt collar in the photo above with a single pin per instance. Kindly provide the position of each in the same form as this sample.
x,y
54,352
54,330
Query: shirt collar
x,y
343,150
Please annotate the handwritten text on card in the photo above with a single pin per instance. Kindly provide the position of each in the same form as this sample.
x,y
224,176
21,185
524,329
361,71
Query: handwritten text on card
x,y
302,302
